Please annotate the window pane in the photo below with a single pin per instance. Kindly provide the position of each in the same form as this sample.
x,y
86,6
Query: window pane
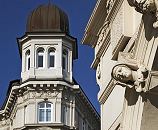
x,y
41,105
48,105
65,60
65,115
64,63
28,66
51,61
28,60
45,110
40,61
48,115
41,115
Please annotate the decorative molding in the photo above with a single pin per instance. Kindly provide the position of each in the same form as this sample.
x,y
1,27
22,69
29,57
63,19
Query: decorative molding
x,y
114,10
95,21
103,48
109,5
119,46
5,123
28,91
107,16
107,91
133,40
103,32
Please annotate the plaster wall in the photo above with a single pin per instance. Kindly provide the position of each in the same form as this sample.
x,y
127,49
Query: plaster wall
x,y
107,65
18,121
112,108
5,128
30,114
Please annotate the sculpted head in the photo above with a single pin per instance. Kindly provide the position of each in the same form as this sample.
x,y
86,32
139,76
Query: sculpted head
x,y
122,73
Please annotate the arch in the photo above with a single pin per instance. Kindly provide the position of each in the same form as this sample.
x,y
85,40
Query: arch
x,y
40,57
65,59
51,57
28,60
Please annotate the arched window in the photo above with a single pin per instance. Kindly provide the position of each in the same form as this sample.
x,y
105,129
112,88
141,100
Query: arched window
x,y
65,60
45,112
51,58
40,58
27,59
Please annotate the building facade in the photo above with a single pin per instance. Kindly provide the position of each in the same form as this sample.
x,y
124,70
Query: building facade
x,y
123,34
47,97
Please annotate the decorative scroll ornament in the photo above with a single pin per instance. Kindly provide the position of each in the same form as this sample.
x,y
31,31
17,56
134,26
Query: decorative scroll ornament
x,y
102,32
98,72
128,77
145,6
109,5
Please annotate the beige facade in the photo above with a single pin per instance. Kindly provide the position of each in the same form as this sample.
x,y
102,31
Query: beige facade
x,y
47,97
124,36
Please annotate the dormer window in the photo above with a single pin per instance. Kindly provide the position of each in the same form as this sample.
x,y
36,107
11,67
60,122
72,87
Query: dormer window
x,y
65,60
51,58
27,59
45,112
40,58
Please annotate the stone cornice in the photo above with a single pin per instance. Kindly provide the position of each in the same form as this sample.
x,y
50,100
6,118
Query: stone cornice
x,y
49,35
82,95
113,12
95,22
62,83
103,48
119,46
44,125
29,36
40,89
103,96
94,18
18,91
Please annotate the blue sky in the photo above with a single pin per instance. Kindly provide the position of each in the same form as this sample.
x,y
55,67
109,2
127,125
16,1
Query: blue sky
x,y
13,17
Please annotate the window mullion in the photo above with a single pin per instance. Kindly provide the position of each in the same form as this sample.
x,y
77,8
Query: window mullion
x,y
45,113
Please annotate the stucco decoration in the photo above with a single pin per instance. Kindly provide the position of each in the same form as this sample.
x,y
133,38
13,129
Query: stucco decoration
x,y
144,6
109,5
98,74
102,33
5,123
126,76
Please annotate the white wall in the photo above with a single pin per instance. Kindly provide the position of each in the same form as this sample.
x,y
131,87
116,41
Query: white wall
x,y
112,108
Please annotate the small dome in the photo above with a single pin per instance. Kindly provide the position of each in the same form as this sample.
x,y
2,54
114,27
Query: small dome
x,y
47,18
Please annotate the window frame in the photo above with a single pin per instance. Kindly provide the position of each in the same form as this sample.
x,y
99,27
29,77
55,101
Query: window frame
x,y
28,60
65,115
40,52
45,108
51,52
65,57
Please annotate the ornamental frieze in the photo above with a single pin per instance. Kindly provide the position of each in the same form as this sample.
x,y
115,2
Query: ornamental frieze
x,y
102,33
